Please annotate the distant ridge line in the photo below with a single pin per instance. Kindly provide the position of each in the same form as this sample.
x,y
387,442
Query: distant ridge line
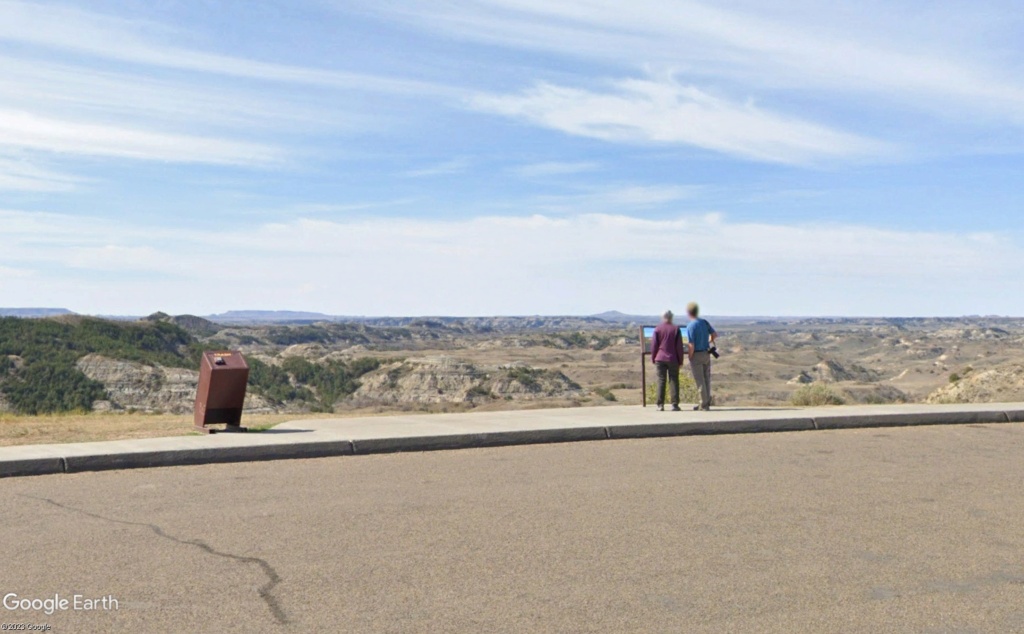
x,y
296,317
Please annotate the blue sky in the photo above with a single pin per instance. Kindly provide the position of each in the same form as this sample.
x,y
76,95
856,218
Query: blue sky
x,y
512,156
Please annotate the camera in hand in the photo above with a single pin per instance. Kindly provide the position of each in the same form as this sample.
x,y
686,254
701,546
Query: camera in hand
x,y
714,351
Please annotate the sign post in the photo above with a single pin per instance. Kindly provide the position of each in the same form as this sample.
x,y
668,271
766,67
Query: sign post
x,y
646,333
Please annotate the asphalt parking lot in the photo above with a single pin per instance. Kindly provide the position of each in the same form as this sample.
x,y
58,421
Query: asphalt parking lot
x,y
870,530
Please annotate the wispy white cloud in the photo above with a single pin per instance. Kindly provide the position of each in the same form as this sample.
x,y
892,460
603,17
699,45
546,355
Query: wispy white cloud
x,y
444,168
140,42
10,273
80,90
555,168
23,175
644,195
82,83
812,47
119,257
664,112
614,199
468,266
24,130
319,209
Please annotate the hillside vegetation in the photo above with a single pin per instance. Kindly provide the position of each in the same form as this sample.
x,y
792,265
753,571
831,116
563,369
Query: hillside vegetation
x,y
41,370
37,358
317,386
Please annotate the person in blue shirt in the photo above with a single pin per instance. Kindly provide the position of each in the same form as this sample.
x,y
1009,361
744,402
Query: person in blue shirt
x,y
701,336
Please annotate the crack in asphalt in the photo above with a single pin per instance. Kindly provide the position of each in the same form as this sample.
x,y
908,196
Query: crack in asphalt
x,y
265,591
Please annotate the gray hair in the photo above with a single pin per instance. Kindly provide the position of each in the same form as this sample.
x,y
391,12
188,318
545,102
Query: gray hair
x,y
667,315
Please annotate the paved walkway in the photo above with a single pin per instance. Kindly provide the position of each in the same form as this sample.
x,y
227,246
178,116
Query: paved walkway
x,y
381,434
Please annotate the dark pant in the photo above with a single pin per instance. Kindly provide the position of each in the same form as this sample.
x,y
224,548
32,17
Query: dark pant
x,y
700,365
670,371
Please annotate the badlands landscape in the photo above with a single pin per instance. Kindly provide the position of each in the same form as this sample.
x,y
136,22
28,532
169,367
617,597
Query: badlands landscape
x,y
454,364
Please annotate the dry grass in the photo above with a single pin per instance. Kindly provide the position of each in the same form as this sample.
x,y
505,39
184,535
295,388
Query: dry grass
x,y
64,428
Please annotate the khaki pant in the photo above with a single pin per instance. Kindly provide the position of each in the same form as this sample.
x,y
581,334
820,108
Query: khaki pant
x,y
700,366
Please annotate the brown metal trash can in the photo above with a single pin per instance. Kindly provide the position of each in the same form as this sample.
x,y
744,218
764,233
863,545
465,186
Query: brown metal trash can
x,y
223,377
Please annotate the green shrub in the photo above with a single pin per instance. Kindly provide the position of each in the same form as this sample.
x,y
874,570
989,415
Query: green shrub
x,y
605,393
956,377
816,394
47,388
292,380
396,373
525,376
530,378
292,335
328,334
688,392
274,384
363,365
578,340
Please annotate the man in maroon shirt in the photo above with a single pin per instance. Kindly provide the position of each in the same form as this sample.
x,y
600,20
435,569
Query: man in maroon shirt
x,y
667,353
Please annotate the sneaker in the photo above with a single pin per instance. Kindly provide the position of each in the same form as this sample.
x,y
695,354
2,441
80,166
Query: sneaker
x,y
661,408
676,408
696,408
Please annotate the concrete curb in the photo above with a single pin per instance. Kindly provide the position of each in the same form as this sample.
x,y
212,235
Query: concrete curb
x,y
485,439
30,467
696,429
211,455
914,418
1015,415
52,459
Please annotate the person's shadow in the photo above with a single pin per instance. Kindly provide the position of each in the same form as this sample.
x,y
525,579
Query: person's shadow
x,y
717,408
274,430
